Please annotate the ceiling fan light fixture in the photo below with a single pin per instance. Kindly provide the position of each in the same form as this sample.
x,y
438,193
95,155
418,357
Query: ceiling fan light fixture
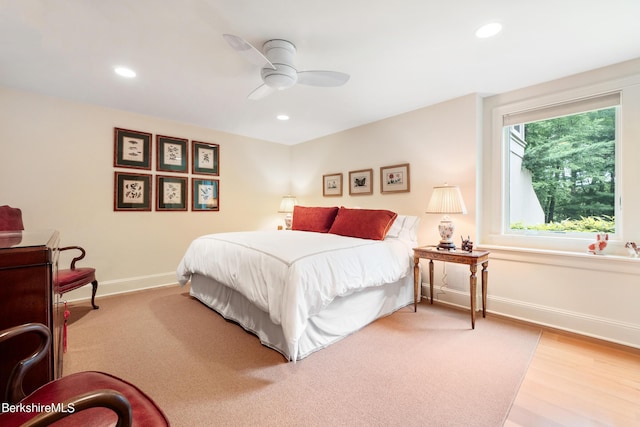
x,y
283,77
278,71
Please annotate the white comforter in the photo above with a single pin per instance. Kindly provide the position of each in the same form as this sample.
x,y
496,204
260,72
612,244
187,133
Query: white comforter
x,y
293,275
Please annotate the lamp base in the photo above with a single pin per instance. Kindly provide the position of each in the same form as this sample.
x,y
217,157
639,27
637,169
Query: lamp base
x,y
446,229
446,246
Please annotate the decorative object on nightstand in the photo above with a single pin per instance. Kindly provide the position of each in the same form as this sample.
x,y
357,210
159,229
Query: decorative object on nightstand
x,y
467,245
446,200
286,206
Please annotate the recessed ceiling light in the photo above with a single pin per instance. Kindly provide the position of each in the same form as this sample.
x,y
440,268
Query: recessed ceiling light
x,y
125,72
282,117
488,30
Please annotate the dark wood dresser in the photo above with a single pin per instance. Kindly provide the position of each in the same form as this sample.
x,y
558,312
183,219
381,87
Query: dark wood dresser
x,y
28,265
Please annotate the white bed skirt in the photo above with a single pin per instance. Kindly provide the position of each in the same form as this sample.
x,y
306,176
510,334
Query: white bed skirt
x,y
344,316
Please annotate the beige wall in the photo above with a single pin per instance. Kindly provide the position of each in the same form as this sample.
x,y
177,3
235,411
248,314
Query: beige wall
x,y
439,142
56,165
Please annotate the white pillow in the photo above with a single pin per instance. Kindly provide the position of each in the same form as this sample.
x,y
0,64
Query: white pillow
x,y
405,227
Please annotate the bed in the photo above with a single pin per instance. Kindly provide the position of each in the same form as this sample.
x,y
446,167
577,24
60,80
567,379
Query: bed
x,y
303,289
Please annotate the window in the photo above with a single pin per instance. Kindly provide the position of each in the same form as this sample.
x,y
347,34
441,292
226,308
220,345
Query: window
x,y
512,215
616,88
562,167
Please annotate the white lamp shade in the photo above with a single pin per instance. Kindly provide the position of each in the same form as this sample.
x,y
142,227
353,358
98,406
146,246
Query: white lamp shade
x,y
287,204
446,199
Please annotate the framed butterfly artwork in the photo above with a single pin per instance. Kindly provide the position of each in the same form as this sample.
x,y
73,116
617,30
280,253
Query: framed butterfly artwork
x,y
360,182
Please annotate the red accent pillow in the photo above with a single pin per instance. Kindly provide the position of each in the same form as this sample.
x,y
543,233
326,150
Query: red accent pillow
x,y
363,223
313,218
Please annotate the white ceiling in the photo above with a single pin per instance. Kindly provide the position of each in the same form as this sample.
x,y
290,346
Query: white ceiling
x,y
401,54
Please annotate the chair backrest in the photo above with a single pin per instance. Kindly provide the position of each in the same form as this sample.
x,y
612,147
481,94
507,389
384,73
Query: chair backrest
x,y
10,219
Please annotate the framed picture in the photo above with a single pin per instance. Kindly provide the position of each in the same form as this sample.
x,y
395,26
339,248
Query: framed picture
x,y
332,184
205,194
132,149
171,193
206,158
132,192
394,179
360,182
173,155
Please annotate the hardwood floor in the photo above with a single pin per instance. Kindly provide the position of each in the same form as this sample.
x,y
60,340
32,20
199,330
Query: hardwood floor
x,y
575,381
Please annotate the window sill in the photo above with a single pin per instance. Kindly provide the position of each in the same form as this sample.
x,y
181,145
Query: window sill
x,y
578,260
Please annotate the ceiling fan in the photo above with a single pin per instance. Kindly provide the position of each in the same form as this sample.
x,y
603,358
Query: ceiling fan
x,y
278,71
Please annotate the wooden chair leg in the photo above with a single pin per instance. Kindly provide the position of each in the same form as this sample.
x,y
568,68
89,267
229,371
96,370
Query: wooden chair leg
x,y
94,284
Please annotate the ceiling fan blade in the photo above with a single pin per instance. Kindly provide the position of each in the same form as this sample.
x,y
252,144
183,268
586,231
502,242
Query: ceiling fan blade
x,y
260,92
322,78
247,50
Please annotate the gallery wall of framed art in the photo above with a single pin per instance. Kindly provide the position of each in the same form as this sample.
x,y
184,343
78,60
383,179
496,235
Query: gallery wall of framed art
x,y
176,184
393,179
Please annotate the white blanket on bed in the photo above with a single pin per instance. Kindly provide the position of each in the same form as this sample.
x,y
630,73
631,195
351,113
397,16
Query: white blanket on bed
x,y
293,275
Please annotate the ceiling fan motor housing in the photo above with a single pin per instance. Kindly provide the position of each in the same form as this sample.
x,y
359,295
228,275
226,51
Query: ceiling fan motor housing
x,y
280,54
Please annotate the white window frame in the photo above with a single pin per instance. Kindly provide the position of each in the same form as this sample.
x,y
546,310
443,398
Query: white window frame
x,y
601,101
493,227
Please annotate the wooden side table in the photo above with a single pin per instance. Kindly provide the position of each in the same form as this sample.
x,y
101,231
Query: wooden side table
x,y
472,259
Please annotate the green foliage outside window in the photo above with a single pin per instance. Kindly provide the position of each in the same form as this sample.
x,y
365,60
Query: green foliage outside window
x,y
583,225
572,163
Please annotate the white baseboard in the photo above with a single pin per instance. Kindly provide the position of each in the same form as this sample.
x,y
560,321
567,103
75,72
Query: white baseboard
x,y
580,323
584,324
115,287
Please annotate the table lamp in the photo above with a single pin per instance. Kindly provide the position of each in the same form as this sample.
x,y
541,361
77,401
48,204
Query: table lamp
x,y
446,199
286,206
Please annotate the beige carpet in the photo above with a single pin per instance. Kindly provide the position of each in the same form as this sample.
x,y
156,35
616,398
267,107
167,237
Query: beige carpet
x,y
409,369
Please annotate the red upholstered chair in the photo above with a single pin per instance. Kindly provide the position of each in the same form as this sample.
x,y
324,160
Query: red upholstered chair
x,y
74,278
80,399
10,219
67,279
